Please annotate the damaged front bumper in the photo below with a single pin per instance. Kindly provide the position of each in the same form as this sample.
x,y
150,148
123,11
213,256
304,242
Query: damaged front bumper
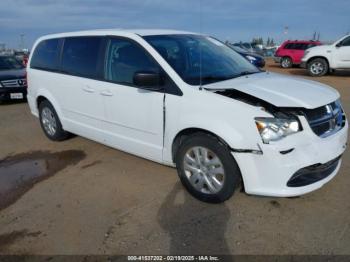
x,y
270,172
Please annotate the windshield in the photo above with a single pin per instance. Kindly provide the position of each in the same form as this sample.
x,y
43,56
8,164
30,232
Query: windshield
x,y
8,63
200,59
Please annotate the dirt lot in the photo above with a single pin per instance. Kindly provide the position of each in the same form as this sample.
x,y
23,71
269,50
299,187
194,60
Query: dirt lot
x,y
96,200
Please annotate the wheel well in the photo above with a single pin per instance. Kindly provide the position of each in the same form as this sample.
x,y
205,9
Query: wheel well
x,y
39,100
190,131
315,57
286,56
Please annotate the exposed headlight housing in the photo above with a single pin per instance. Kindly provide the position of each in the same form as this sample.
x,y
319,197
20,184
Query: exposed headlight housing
x,y
274,129
250,58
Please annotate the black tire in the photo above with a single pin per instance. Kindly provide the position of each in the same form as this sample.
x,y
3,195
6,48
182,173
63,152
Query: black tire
x,y
286,62
232,173
317,67
59,134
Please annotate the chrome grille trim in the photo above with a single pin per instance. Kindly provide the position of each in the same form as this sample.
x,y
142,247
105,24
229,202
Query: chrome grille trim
x,y
326,120
22,82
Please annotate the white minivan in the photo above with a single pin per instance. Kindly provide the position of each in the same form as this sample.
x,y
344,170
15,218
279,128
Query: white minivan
x,y
187,100
319,60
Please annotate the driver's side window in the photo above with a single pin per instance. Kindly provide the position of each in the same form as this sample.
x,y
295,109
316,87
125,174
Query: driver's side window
x,y
124,59
346,42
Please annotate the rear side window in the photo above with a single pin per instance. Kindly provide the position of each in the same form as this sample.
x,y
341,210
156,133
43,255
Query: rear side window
x,y
46,55
289,46
81,56
300,46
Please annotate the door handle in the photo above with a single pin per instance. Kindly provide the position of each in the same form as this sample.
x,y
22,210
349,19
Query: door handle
x,y
88,89
106,93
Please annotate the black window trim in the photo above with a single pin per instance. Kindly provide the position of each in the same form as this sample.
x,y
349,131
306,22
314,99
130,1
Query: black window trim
x,y
60,45
102,56
175,90
345,39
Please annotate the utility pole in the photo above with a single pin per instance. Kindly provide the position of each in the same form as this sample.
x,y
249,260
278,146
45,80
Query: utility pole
x,y
285,32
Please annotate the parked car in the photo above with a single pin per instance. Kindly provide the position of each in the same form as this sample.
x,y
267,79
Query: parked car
x,y
245,45
13,83
269,51
21,56
322,59
291,52
187,100
253,58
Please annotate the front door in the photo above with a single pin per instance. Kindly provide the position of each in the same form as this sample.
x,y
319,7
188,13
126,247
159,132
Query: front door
x,y
342,54
134,116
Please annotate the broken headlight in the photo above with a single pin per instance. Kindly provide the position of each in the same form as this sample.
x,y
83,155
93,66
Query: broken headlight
x,y
274,129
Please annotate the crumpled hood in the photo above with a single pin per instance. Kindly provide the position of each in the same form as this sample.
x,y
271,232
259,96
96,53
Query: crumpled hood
x,y
281,90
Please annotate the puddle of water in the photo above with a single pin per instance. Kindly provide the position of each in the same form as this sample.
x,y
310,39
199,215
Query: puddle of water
x,y
19,173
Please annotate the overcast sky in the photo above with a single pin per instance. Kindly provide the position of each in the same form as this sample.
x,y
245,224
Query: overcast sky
x,y
232,20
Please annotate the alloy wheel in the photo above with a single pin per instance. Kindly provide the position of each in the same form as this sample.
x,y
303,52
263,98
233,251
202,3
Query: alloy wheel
x,y
204,170
317,68
49,121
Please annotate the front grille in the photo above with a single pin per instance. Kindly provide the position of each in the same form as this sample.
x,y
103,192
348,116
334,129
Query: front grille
x,y
14,83
326,120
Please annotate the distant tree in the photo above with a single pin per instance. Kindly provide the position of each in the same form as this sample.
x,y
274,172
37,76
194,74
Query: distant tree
x,y
257,41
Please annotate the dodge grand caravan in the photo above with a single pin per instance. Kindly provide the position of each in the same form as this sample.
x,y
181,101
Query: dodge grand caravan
x,y
187,100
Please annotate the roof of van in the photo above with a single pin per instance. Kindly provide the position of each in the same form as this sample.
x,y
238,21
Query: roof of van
x,y
117,31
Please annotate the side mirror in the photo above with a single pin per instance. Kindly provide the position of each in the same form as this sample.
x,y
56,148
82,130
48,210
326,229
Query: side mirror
x,y
148,80
338,44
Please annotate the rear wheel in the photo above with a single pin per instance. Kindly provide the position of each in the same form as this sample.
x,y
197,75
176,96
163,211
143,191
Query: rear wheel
x,y
50,123
286,62
318,67
206,168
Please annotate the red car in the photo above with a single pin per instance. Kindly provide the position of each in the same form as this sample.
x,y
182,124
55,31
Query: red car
x,y
291,52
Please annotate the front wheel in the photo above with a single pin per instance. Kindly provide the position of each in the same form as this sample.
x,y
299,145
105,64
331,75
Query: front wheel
x,y
286,62
318,67
207,169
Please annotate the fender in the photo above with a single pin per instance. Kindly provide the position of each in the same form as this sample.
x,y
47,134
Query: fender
x,y
236,140
326,57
